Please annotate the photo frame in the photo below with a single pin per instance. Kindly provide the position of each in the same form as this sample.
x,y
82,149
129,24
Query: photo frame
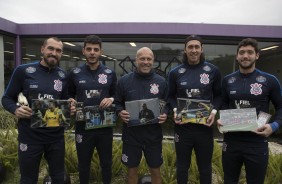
x,y
263,118
238,120
95,117
143,112
193,110
50,113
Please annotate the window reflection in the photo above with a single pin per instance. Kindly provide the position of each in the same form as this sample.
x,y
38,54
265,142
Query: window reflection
x,y
120,56
9,58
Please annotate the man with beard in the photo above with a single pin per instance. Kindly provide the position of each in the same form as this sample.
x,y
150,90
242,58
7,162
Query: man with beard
x,y
93,84
39,80
143,83
249,88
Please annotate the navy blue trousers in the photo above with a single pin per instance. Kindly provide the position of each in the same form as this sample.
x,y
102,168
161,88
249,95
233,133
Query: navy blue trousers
x,y
29,160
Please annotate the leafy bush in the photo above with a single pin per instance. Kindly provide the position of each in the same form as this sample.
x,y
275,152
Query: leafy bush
x,y
7,120
9,158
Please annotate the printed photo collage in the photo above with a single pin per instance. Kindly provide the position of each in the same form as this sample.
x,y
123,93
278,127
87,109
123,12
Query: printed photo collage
x,y
145,111
245,119
193,110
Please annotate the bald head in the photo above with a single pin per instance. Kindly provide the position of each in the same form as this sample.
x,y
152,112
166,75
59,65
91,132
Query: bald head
x,y
144,50
144,60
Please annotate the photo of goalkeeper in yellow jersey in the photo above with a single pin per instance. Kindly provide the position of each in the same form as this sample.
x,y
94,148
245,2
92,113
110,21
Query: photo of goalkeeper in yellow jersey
x,y
53,116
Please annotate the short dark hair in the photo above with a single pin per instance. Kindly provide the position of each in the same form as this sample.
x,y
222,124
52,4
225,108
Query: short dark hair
x,y
54,38
189,38
193,37
93,39
248,41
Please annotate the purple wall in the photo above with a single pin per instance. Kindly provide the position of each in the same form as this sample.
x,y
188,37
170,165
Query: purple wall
x,y
142,28
8,26
137,28
152,28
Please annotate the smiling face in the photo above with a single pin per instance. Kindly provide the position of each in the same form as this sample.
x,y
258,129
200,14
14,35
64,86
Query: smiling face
x,y
52,51
246,58
144,60
193,51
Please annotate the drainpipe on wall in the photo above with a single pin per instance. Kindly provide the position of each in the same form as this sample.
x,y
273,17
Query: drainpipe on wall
x,y
2,82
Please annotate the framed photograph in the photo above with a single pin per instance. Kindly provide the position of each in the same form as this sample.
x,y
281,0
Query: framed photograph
x,y
143,112
193,110
95,117
50,113
263,118
162,106
238,120
79,111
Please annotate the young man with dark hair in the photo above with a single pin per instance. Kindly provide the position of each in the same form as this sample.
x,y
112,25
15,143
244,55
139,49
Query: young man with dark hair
x,y
194,79
249,87
39,80
93,84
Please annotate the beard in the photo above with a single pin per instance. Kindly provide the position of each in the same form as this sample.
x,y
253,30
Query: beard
x,y
92,60
246,66
51,61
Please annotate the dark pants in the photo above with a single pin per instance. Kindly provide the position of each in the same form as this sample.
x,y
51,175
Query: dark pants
x,y
29,160
85,149
203,147
255,159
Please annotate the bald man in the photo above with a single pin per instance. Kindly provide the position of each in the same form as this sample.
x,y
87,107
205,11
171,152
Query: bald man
x,y
142,83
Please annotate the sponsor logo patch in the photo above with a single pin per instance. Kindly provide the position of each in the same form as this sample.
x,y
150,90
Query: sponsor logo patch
x,y
231,80
108,71
207,68
181,70
261,79
76,70
61,74
30,70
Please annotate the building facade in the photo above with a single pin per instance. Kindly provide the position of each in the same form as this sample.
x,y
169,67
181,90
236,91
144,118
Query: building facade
x,y
21,43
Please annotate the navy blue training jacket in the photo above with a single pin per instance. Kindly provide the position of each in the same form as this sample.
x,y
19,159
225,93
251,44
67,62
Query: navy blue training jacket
x,y
254,90
36,82
136,86
200,81
91,87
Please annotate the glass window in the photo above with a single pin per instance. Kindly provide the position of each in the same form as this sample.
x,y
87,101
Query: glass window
x,y
9,58
120,56
270,58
